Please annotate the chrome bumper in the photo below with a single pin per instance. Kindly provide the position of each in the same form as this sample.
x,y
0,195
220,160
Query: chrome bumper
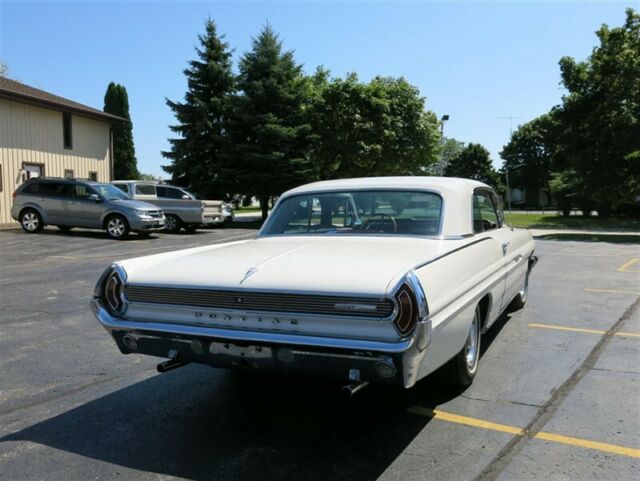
x,y
386,362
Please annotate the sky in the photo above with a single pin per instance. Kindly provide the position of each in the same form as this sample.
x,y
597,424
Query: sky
x,y
478,62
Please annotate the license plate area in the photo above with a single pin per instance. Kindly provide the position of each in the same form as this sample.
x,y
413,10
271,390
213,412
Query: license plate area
x,y
257,353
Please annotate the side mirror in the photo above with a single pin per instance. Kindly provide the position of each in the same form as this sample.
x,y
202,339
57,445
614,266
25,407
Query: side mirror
x,y
94,197
185,197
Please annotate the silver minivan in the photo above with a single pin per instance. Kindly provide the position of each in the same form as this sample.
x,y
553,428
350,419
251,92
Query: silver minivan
x,y
82,203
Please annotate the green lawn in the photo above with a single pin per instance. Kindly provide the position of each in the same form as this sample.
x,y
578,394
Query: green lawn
x,y
551,221
247,209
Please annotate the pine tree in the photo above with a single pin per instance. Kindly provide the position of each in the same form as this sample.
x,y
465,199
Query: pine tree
x,y
269,132
195,154
125,164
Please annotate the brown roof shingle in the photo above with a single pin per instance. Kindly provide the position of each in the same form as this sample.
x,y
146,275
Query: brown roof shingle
x,y
19,92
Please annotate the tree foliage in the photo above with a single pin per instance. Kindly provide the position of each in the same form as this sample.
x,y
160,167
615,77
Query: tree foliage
x,y
473,162
125,164
528,157
588,148
268,132
376,128
196,153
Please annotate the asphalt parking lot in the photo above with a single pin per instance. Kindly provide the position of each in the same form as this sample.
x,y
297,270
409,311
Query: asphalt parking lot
x,y
557,396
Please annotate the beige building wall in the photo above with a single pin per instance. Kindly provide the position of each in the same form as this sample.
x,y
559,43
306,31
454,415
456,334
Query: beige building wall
x,y
34,135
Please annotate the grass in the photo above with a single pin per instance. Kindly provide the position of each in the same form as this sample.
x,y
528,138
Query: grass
x,y
546,221
247,209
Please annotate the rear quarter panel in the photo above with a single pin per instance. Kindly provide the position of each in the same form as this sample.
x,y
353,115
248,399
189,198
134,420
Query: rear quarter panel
x,y
453,285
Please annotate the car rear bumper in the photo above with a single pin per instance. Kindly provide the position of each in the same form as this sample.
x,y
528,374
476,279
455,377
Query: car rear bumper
x,y
384,362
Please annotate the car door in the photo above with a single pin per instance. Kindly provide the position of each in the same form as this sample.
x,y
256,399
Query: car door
x,y
87,211
53,201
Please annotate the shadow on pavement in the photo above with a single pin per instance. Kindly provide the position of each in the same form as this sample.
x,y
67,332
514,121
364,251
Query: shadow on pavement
x,y
202,423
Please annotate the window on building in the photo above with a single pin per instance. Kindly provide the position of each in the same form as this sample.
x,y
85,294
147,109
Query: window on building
x,y
93,176
67,137
68,174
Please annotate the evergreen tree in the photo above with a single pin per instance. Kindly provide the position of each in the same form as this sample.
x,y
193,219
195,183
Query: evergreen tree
x,y
196,154
269,134
125,164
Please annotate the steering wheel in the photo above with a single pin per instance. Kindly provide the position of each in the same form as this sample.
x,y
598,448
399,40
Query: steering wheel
x,y
380,222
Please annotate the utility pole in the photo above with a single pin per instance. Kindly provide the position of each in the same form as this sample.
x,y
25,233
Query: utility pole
x,y
444,118
506,171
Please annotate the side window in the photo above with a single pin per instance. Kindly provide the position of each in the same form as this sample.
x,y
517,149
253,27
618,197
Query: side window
x,y
142,189
81,191
485,214
123,187
169,192
34,188
55,189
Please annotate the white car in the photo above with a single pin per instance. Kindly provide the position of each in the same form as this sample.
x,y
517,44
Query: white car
x,y
370,280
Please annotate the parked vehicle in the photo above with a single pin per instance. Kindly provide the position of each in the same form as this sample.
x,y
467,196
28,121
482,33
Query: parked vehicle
x,y
165,191
181,211
82,203
368,280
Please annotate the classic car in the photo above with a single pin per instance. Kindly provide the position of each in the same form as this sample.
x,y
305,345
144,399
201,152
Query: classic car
x,y
367,280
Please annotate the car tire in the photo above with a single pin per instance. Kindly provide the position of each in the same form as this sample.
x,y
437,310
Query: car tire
x,y
172,223
461,370
31,221
64,228
117,227
520,300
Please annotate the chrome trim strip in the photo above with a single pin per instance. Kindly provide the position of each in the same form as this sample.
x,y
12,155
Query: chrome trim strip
x,y
419,266
112,323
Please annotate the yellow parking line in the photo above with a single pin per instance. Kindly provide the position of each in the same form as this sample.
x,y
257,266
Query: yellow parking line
x,y
626,265
505,428
579,329
613,291
585,443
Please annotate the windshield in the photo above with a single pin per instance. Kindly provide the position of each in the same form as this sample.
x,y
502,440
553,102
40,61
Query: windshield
x,y
357,212
110,192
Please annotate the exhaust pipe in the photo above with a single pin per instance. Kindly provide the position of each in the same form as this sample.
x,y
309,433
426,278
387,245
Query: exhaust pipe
x,y
352,388
169,365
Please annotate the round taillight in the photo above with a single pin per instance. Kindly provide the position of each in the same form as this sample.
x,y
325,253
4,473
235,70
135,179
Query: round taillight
x,y
407,316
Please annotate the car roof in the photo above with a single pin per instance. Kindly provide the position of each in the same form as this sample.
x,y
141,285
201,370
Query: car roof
x,y
438,184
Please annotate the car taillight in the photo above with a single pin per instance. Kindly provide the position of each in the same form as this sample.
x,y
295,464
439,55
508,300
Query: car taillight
x,y
407,316
15,193
113,293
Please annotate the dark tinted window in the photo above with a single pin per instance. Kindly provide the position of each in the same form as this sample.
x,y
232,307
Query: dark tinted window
x,y
32,188
142,189
123,187
169,192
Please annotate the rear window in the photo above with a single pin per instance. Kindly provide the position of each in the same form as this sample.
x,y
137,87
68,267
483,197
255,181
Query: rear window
x,y
142,189
32,188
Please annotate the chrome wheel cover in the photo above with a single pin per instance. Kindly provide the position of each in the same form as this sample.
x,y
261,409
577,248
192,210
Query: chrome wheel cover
x,y
472,346
30,221
116,227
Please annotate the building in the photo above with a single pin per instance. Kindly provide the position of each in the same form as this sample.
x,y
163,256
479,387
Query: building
x,y
42,134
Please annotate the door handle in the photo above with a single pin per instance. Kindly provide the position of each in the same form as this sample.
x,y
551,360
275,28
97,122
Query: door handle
x,y
504,247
